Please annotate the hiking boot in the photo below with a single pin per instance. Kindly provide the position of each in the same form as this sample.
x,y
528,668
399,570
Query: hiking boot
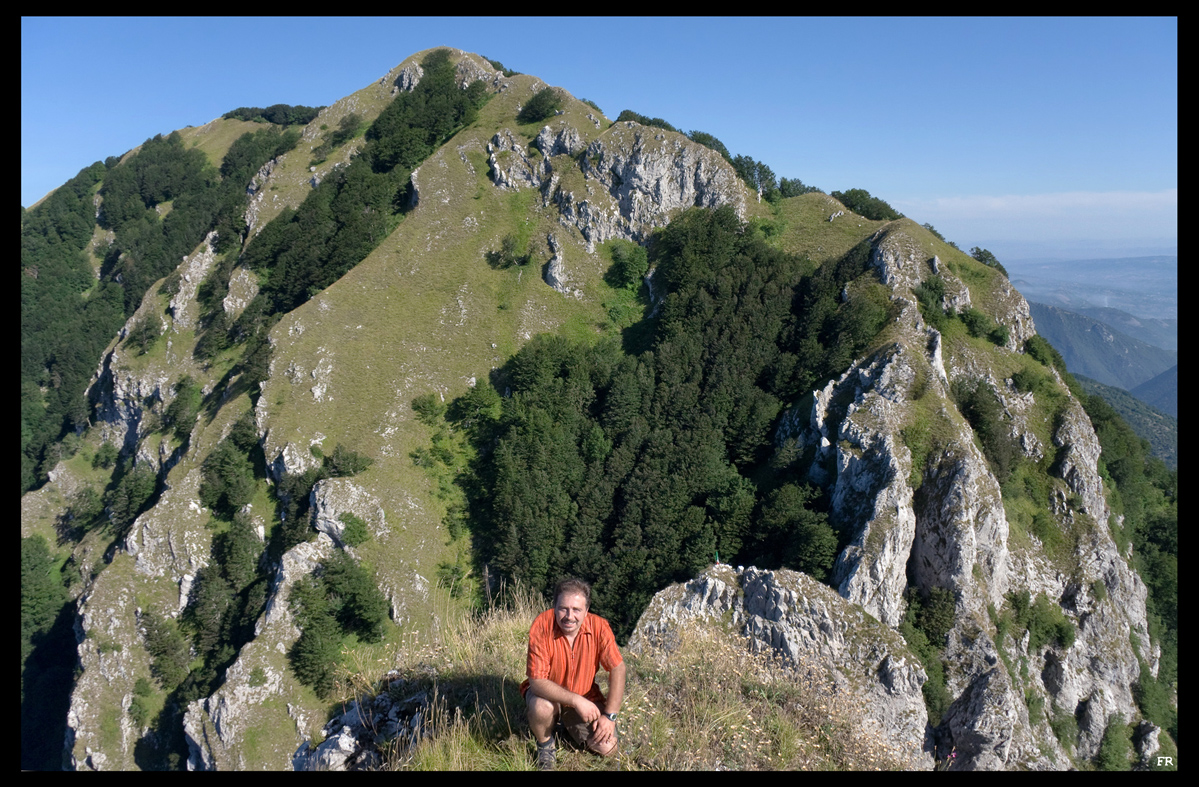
x,y
546,755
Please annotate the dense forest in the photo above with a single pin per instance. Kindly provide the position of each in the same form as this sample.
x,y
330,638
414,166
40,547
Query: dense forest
x,y
635,466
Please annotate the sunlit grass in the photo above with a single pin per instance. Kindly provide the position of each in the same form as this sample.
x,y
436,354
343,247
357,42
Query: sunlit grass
x,y
710,703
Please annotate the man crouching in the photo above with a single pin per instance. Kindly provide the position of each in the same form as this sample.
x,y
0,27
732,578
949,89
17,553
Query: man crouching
x,y
567,646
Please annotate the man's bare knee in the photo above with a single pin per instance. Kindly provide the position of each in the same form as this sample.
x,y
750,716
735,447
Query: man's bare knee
x,y
607,751
541,712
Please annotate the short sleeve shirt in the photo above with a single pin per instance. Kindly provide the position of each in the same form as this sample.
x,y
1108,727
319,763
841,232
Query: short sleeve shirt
x,y
551,656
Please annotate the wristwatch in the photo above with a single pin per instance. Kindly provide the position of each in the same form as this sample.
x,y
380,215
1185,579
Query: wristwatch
x,y
611,716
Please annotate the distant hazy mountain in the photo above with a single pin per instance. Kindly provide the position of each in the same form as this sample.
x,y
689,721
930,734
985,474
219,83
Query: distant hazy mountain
x,y
1143,286
1099,351
1161,333
1161,391
1152,423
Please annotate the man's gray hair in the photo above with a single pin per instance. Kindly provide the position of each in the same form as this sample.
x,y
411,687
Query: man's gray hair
x,y
573,585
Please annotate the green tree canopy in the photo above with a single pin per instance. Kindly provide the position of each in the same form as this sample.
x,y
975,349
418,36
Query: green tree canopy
x,y
544,103
873,208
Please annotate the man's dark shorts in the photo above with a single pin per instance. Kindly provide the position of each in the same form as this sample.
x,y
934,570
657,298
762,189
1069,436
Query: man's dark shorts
x,y
579,730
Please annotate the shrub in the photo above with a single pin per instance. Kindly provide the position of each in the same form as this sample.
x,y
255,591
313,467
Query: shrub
x,y
498,66
988,259
709,141
935,616
542,105
144,333
982,408
629,265
793,187
345,462
509,254
1047,623
1115,750
1026,380
873,208
169,654
356,531
106,456
976,322
85,507
227,481
629,114
1065,728
356,598
314,656
429,409
132,493
181,414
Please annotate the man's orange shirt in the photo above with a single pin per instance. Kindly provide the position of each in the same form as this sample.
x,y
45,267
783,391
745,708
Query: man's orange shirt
x,y
551,656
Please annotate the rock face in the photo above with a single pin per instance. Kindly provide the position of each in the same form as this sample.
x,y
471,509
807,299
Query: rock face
x,y
634,178
352,741
806,621
925,511
249,721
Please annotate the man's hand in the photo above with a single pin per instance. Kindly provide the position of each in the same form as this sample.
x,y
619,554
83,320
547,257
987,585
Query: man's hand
x,y
605,732
588,711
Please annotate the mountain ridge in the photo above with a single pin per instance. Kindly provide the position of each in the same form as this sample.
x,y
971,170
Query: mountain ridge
x,y
424,313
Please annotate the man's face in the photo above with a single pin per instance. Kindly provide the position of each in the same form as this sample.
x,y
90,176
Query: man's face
x,y
569,612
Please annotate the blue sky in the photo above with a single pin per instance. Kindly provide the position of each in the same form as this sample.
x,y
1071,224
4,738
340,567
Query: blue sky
x,y
1031,137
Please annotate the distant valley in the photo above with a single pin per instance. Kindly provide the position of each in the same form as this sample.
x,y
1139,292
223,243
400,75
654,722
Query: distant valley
x,y
1135,375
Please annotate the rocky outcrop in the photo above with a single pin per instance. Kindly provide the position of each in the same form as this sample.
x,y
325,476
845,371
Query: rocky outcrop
x,y
121,398
635,178
408,78
256,193
937,521
565,142
101,735
243,288
171,539
555,270
854,424
254,700
124,392
393,717
805,621
192,271
333,497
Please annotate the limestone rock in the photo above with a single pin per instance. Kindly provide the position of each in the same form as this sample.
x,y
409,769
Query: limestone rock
x,y
409,77
509,162
555,269
807,622
258,684
332,497
637,180
938,521
354,738
243,287
193,270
